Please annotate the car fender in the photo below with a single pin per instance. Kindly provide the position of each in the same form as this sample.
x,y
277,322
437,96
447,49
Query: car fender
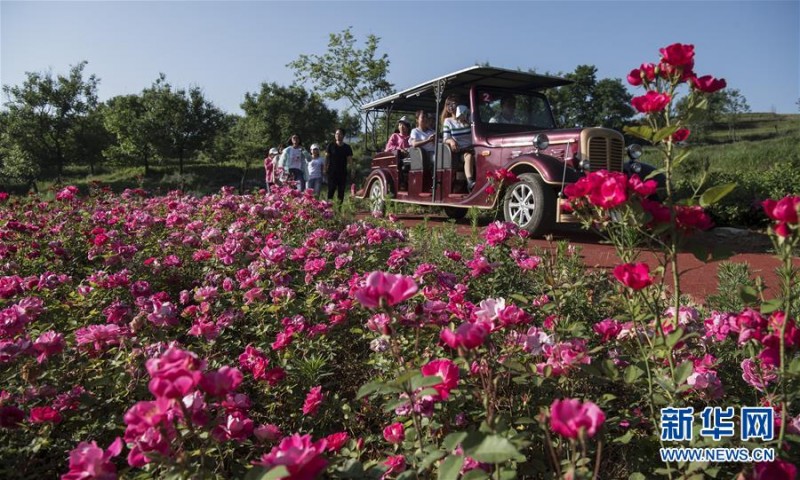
x,y
552,170
380,175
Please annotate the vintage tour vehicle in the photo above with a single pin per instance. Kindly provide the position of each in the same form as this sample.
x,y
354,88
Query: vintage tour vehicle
x,y
512,128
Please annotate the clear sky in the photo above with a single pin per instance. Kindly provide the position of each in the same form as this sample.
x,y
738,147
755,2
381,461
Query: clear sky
x,y
228,48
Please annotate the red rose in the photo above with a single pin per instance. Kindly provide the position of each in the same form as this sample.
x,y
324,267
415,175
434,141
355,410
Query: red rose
x,y
708,84
651,102
678,55
633,275
680,135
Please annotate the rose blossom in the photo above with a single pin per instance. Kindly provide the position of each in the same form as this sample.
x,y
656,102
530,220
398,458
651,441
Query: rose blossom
x,y
708,84
45,414
313,401
651,102
385,287
569,418
394,433
678,55
635,276
88,461
174,374
447,370
467,335
301,456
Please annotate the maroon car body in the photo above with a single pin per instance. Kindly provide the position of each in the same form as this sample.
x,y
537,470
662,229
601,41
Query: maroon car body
x,y
543,157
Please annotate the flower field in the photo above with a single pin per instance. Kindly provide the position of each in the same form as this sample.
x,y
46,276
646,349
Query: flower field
x,y
259,335
266,336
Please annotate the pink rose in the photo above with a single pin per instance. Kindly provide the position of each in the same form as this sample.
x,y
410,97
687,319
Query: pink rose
x,y
447,370
635,276
387,288
651,102
174,374
396,464
88,461
336,441
570,418
313,401
44,414
467,335
221,382
776,470
268,433
643,189
607,329
301,456
394,433
784,210
708,84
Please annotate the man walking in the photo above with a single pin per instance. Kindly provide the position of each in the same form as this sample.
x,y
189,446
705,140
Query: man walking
x,y
337,156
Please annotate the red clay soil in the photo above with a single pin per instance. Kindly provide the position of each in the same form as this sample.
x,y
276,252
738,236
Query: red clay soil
x,y
698,279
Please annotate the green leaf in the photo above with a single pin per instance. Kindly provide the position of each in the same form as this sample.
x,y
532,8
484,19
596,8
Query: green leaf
x,y
264,474
636,476
683,371
430,458
368,389
771,305
748,295
674,337
680,158
715,194
451,467
644,132
625,439
452,441
664,133
476,474
632,373
490,449
423,381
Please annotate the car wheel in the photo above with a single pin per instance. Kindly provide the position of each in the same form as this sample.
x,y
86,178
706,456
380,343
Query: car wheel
x,y
455,213
530,204
377,198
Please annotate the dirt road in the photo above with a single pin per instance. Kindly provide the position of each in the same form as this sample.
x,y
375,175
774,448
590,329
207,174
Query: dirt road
x,y
698,278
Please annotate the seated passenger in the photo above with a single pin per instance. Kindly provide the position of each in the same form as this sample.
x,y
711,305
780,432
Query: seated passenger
x,y
423,136
508,106
457,134
398,142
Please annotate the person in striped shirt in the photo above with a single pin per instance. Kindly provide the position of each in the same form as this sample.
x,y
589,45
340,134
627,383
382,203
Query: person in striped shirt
x,y
457,134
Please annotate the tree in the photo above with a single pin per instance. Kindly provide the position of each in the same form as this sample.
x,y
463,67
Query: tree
x,y
273,115
734,105
45,116
722,106
346,72
131,122
589,102
185,122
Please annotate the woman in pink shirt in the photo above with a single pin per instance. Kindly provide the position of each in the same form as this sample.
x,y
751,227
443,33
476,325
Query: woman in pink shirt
x,y
398,142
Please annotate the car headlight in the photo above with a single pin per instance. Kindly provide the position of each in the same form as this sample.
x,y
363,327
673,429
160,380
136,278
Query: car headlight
x,y
540,141
634,151
585,164
636,167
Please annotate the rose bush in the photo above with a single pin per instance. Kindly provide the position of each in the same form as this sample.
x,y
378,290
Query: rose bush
x,y
262,336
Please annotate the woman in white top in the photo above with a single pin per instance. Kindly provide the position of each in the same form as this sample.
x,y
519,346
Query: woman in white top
x,y
424,136
315,167
457,134
294,160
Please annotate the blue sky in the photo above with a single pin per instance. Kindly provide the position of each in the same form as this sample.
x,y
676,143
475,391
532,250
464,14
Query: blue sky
x,y
229,48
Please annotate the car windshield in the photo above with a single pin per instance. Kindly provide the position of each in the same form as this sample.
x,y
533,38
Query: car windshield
x,y
510,110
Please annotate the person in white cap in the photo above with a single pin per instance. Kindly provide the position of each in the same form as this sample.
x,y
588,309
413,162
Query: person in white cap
x,y
398,142
457,134
294,162
269,167
315,167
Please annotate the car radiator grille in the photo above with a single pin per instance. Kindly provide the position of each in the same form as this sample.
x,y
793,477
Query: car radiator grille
x,y
605,149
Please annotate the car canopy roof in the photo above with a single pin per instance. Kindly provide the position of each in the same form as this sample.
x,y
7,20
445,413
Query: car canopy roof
x,y
422,96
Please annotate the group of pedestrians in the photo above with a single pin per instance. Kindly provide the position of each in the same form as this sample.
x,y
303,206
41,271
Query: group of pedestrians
x,y
308,169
